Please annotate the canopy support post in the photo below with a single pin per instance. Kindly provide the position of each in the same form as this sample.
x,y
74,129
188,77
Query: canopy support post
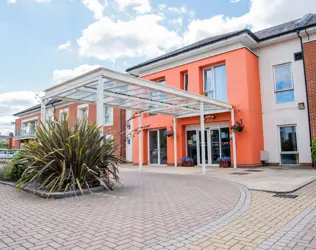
x,y
140,142
234,138
43,111
100,104
175,142
202,137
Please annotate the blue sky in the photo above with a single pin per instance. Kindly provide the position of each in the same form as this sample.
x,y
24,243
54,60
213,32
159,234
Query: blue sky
x,y
44,42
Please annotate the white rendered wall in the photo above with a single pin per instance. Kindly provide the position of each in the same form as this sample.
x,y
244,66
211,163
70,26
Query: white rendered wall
x,y
274,114
129,142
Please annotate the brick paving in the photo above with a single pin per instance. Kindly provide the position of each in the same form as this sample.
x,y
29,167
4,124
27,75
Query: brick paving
x,y
270,223
161,211
148,212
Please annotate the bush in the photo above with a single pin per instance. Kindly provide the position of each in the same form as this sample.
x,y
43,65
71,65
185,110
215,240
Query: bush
x,y
314,150
61,159
14,170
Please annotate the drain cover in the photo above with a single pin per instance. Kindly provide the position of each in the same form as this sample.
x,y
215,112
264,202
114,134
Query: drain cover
x,y
239,173
254,170
288,196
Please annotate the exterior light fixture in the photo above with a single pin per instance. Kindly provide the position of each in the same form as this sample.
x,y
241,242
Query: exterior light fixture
x,y
301,105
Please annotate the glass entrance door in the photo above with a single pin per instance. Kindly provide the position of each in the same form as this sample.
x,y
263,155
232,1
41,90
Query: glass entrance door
x,y
157,147
191,146
217,145
153,147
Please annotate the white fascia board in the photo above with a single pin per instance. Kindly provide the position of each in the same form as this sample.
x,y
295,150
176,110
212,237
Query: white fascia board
x,y
242,41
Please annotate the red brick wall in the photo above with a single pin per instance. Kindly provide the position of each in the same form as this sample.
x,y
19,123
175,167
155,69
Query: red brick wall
x,y
310,63
115,130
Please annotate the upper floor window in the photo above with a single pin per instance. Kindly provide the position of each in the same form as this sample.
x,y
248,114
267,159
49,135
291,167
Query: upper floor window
x,y
63,114
185,81
108,116
214,82
284,88
83,111
157,95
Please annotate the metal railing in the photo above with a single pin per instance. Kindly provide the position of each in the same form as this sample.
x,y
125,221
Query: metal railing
x,y
24,132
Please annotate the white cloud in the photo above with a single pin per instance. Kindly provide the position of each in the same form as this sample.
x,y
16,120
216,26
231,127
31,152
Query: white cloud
x,y
66,74
140,6
260,16
177,21
13,102
178,10
143,36
66,45
42,1
235,1
161,6
11,1
95,7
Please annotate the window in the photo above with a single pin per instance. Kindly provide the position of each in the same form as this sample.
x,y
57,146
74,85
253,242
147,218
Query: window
x,y
83,111
108,116
288,144
63,114
28,127
214,82
185,81
157,95
284,89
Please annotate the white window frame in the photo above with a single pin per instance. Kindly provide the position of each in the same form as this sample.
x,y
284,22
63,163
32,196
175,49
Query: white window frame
x,y
81,107
65,110
288,152
108,123
27,122
212,68
186,81
275,83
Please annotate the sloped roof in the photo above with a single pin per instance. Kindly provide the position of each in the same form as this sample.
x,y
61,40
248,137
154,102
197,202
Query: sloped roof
x,y
36,107
258,36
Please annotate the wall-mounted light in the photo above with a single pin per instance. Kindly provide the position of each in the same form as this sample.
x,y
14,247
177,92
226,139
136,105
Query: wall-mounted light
x,y
301,105
210,117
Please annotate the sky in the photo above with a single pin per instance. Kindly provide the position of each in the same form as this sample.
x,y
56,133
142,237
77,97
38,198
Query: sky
x,y
45,42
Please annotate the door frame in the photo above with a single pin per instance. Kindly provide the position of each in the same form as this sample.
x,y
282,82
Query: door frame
x,y
158,143
208,128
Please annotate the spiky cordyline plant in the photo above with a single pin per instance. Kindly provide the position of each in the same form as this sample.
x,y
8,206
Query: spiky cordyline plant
x,y
61,159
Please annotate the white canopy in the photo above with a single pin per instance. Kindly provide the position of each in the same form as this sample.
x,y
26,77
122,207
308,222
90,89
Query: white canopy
x,y
107,87
128,92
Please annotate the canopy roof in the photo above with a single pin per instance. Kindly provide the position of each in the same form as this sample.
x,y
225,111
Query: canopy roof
x,y
125,91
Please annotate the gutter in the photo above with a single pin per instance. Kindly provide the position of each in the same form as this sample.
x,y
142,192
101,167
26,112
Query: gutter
x,y
306,91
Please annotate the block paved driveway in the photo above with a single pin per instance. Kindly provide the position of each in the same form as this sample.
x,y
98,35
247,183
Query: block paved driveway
x,y
150,211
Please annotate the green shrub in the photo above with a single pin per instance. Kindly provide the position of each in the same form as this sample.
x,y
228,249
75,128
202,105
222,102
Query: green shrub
x,y
14,170
61,158
314,150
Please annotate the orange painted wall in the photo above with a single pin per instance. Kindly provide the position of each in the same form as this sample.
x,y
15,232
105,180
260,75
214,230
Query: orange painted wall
x,y
243,91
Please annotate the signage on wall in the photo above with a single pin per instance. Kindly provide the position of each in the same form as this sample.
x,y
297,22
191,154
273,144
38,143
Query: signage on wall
x,y
190,142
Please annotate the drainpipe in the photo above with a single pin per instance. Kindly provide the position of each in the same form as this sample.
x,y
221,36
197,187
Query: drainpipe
x,y
121,134
306,92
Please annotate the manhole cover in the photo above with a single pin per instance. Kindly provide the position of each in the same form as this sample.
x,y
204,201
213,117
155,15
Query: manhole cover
x,y
288,196
239,173
254,170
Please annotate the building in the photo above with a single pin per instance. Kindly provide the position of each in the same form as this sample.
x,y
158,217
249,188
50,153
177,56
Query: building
x,y
262,75
264,80
114,121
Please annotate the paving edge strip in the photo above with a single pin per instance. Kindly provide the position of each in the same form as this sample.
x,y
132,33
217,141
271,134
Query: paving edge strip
x,y
241,207
286,234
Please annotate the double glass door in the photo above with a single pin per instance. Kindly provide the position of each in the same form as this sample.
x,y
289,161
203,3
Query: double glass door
x,y
217,145
157,147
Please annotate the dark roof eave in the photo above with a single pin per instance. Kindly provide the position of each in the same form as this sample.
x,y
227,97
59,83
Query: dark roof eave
x,y
52,102
287,32
252,35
